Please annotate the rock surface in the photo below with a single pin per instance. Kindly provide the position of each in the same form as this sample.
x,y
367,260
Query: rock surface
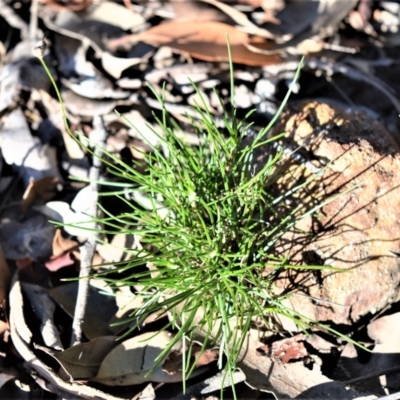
x,y
359,230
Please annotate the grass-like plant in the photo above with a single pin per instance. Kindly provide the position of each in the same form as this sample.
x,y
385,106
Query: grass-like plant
x,y
207,225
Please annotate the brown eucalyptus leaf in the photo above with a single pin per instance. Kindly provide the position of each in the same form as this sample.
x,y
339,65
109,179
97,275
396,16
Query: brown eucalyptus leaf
x,y
83,361
204,40
131,361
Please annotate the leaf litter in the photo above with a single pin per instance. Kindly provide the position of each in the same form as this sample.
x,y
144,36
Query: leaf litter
x,y
101,54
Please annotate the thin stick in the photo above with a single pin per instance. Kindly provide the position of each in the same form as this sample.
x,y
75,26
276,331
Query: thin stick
x,y
33,23
88,248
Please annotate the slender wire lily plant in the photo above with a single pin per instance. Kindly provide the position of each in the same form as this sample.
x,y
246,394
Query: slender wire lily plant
x,y
202,217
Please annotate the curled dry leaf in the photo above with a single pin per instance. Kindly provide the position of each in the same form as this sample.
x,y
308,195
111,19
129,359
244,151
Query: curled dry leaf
x,y
39,191
32,158
204,40
22,339
83,360
86,29
130,362
76,217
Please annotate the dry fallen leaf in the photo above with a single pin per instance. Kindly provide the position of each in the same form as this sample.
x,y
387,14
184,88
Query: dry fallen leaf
x,y
99,310
43,308
204,40
22,340
24,151
241,19
83,360
173,363
131,361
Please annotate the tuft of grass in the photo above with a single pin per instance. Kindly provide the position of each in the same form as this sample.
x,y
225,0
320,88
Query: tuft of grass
x,y
206,223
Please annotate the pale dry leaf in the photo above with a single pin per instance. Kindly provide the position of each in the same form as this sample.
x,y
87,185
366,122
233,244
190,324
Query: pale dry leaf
x,y
241,19
118,249
32,159
131,361
95,87
76,218
148,393
115,66
128,303
69,24
115,14
75,222
190,10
